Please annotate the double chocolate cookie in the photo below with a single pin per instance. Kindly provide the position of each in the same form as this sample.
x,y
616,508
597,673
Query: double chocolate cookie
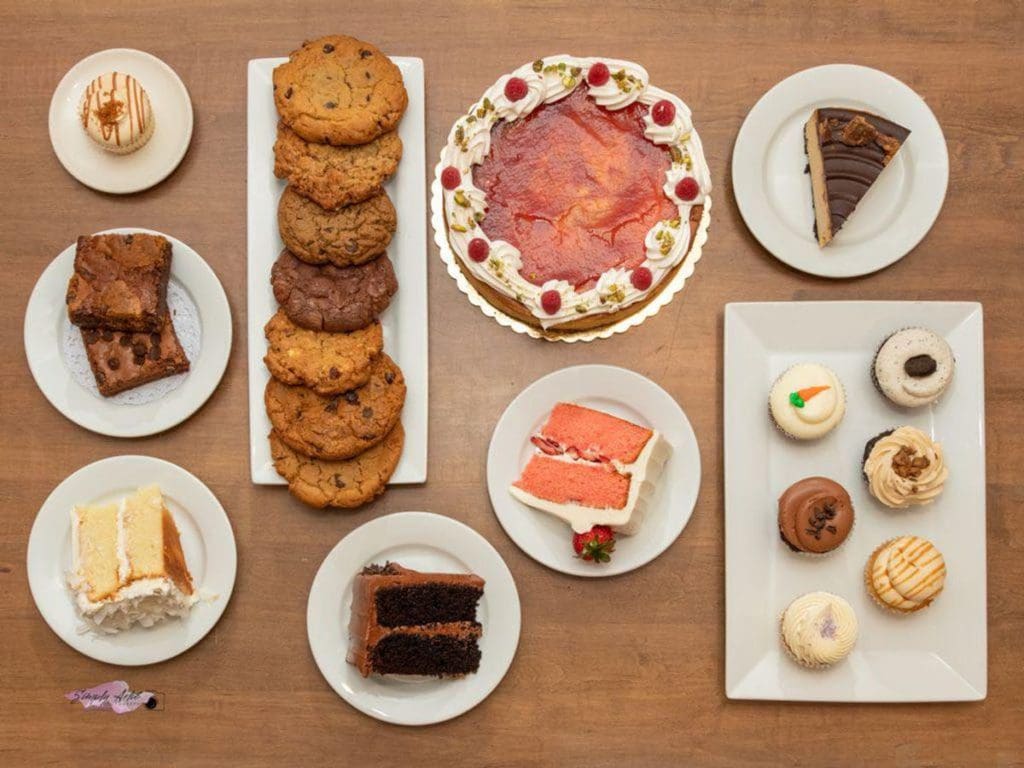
x,y
346,484
330,298
339,90
335,176
351,235
341,426
329,363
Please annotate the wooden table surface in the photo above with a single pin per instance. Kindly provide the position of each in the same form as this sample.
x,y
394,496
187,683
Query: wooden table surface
x,y
615,672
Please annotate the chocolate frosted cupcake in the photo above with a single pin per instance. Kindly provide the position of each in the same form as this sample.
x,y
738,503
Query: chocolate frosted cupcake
x,y
913,367
903,467
815,516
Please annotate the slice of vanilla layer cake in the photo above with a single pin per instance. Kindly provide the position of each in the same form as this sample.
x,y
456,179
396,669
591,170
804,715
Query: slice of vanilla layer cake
x,y
592,468
128,563
405,622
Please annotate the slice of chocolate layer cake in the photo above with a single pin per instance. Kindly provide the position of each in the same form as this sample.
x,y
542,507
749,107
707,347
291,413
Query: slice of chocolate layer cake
x,y
846,152
409,623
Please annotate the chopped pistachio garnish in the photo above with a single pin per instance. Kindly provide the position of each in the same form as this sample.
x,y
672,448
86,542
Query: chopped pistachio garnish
x,y
575,71
478,216
538,65
460,198
457,227
581,307
569,82
667,241
674,223
677,155
617,294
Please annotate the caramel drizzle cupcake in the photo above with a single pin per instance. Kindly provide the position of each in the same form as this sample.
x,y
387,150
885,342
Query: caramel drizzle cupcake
x,y
905,574
904,468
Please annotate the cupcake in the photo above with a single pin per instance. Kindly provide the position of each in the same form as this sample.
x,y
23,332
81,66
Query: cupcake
x,y
116,113
815,516
905,574
807,401
913,367
904,467
818,629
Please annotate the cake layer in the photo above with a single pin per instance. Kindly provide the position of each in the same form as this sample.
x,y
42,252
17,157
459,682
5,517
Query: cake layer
x,y
417,653
592,435
403,606
588,484
585,203
95,530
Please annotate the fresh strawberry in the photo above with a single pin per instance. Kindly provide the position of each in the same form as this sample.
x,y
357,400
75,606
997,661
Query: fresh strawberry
x,y
595,545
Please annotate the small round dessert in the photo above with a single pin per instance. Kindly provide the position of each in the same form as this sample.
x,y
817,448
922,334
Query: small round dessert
x,y
905,574
913,367
818,629
807,401
815,516
903,467
116,113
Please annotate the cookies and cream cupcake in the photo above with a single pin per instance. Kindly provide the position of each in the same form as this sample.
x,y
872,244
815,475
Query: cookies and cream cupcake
x,y
818,629
807,401
815,516
905,574
913,367
904,467
116,113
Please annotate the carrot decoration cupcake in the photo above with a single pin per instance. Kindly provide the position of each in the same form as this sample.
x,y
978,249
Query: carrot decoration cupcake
x,y
807,401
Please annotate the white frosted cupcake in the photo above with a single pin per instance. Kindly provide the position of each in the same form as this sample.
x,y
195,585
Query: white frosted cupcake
x,y
913,367
818,629
116,113
904,467
807,401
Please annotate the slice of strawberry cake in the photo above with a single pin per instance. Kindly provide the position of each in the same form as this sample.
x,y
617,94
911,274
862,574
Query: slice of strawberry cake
x,y
592,469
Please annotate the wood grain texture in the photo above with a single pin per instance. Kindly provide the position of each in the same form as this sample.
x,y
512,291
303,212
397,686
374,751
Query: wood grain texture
x,y
617,672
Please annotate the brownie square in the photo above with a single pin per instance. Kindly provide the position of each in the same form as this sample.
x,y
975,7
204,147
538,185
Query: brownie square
x,y
120,282
123,360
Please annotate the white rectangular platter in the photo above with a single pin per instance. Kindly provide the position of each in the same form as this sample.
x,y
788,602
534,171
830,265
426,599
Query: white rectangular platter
x,y
404,322
938,654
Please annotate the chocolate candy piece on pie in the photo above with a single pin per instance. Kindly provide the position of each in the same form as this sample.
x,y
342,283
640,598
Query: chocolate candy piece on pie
x,y
122,360
847,150
120,282
330,298
339,90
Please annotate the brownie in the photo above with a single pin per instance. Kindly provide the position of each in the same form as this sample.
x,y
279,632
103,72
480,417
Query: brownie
x,y
123,360
120,282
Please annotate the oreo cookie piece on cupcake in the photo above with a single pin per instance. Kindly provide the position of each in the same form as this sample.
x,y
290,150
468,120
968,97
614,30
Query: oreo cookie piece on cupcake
x,y
913,367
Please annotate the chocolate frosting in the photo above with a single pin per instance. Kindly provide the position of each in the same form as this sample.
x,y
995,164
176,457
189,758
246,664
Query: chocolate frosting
x,y
364,630
815,515
855,148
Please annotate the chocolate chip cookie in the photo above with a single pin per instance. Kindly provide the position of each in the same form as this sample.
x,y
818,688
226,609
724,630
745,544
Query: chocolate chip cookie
x,y
351,235
339,90
335,176
330,298
341,426
329,363
345,484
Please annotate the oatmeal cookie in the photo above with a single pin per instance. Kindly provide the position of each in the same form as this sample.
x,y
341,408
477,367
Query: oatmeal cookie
x,y
351,235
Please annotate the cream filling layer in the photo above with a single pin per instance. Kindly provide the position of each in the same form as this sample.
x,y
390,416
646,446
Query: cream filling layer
x,y
666,243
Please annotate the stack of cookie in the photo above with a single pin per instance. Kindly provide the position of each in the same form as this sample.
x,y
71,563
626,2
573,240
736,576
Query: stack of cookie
x,y
335,399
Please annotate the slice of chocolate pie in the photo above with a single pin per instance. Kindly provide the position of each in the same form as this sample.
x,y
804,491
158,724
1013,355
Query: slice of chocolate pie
x,y
846,151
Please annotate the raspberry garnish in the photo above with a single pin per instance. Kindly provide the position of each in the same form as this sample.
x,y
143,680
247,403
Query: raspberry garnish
x,y
551,301
687,189
641,278
450,177
515,89
663,112
598,74
478,249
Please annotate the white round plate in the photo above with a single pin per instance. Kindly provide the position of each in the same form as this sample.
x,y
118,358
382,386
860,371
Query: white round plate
x,y
206,539
774,193
424,542
46,323
619,392
144,168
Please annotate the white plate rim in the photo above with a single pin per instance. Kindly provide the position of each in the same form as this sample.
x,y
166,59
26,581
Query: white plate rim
x,y
53,121
758,126
215,349
383,530
215,516
505,507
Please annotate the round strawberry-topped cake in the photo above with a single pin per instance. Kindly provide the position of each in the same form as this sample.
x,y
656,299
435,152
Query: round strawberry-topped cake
x,y
573,192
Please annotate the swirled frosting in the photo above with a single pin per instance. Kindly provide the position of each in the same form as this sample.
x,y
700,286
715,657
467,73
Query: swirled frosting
x,y
815,515
547,81
905,468
906,574
819,629
807,401
913,367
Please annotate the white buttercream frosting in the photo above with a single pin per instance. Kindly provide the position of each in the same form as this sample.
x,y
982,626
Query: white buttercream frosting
x,y
547,81
819,629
